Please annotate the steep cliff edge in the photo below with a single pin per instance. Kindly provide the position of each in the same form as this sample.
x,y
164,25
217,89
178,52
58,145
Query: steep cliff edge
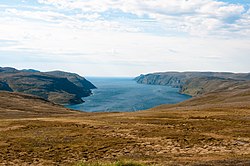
x,y
58,87
196,83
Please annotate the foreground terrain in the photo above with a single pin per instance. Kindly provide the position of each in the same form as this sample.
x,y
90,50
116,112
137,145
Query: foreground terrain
x,y
212,129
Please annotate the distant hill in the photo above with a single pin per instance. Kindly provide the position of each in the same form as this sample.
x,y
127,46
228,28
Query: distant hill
x,y
30,70
8,70
196,83
74,78
59,87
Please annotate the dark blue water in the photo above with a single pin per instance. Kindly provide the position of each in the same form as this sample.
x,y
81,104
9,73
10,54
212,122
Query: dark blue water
x,y
124,94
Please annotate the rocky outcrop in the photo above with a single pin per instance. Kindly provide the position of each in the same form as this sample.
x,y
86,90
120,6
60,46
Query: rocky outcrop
x,y
58,87
196,83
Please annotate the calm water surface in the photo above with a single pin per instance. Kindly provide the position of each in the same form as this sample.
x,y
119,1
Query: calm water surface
x,y
124,94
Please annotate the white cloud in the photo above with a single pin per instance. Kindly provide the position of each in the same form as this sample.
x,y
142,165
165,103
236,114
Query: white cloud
x,y
217,18
196,17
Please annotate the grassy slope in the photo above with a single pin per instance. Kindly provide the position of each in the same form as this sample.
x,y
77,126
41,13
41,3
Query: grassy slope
x,y
17,105
199,86
212,129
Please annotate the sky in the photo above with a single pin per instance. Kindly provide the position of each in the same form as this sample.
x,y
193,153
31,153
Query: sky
x,y
125,37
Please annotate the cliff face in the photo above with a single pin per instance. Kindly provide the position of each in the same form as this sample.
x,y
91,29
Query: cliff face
x,y
196,83
58,87
171,79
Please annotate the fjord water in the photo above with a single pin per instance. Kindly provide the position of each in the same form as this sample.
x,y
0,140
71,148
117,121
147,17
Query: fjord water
x,y
125,94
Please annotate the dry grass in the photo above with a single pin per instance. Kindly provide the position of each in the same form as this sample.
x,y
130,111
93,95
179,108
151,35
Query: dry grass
x,y
118,163
208,134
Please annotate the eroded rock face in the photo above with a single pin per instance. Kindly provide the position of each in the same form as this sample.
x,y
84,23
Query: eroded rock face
x,y
59,87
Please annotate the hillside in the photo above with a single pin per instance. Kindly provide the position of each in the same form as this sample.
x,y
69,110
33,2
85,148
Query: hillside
x,y
59,87
18,105
196,83
74,78
202,85
210,129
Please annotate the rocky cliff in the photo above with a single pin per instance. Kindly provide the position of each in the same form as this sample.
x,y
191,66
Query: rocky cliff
x,y
59,87
196,83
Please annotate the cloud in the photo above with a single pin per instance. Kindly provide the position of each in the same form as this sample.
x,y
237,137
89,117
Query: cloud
x,y
131,36
212,17
47,16
202,18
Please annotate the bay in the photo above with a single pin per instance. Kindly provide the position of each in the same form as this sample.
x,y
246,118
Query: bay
x,y
126,95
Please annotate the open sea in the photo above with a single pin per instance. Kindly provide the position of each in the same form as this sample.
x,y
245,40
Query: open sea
x,y
126,95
